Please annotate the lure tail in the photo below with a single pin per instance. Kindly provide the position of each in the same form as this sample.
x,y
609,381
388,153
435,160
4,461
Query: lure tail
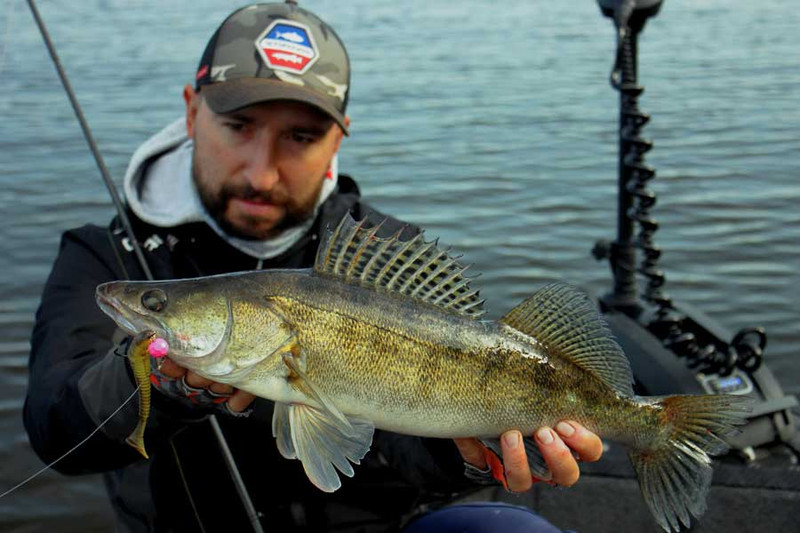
x,y
139,357
675,472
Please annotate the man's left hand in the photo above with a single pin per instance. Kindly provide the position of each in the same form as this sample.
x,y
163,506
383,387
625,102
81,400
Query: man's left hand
x,y
238,401
557,447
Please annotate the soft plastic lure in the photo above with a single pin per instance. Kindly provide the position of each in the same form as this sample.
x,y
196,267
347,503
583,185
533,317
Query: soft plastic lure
x,y
144,345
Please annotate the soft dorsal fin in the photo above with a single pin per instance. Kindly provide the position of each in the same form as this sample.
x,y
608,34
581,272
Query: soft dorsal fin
x,y
355,254
567,323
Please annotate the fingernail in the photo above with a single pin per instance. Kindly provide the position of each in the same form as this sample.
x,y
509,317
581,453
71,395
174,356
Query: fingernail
x,y
545,436
512,439
565,429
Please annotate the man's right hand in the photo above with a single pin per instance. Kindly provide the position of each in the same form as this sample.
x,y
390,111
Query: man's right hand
x,y
237,402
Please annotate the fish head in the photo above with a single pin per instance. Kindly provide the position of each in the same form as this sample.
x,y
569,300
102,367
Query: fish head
x,y
193,316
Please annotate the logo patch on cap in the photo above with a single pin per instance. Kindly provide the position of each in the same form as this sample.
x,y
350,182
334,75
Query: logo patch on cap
x,y
287,45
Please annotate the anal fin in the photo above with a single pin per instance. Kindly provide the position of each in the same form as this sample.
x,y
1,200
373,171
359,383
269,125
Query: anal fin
x,y
535,459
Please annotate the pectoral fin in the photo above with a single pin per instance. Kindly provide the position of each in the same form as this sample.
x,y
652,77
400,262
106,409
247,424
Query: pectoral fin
x,y
300,381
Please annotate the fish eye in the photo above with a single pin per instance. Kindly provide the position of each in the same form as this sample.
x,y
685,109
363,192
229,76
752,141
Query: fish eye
x,y
154,300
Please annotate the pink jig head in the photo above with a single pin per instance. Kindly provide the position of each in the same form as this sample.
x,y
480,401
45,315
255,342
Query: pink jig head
x,y
158,348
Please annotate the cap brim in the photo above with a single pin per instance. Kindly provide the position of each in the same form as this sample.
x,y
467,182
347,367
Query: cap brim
x,y
228,96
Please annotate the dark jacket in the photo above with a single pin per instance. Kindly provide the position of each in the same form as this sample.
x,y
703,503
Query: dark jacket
x,y
76,381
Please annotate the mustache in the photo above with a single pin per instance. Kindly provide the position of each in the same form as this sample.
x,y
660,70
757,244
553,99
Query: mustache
x,y
246,192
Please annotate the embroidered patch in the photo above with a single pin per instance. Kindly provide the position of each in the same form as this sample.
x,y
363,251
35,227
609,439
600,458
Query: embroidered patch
x,y
287,45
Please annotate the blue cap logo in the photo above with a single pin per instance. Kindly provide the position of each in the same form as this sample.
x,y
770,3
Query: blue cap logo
x,y
287,45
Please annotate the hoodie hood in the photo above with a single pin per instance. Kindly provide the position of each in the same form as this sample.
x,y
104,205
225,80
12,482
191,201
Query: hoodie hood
x,y
159,189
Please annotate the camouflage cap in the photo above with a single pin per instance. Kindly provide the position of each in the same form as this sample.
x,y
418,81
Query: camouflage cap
x,y
267,52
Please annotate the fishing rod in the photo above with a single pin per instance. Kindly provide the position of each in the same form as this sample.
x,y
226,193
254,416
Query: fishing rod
x,y
137,249
87,133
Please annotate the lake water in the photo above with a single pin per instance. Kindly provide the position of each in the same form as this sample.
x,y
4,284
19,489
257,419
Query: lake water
x,y
492,124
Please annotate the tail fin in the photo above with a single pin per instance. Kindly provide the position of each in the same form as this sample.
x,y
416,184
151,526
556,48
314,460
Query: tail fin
x,y
675,475
139,359
136,438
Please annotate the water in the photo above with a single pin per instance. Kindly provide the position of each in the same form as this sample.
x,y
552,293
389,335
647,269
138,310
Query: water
x,y
491,124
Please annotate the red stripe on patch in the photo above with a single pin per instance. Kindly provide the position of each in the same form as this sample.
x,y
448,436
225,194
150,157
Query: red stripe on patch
x,y
287,60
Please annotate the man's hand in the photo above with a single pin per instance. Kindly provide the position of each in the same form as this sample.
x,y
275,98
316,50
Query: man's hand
x,y
557,448
239,400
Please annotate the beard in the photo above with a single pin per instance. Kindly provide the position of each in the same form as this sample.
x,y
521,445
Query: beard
x,y
216,204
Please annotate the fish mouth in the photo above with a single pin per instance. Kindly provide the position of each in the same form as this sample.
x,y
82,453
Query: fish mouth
x,y
126,318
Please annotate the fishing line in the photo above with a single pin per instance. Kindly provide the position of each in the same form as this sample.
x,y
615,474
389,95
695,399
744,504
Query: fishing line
x,y
186,485
103,423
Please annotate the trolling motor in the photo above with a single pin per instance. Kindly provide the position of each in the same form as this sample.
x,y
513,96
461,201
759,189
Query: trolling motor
x,y
672,350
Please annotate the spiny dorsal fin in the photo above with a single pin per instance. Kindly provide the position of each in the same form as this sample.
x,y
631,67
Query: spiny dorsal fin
x,y
416,268
566,322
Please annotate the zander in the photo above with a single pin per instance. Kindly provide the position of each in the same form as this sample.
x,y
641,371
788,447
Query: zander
x,y
387,333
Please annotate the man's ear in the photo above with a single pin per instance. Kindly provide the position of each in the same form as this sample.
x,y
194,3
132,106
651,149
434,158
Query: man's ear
x,y
341,133
192,100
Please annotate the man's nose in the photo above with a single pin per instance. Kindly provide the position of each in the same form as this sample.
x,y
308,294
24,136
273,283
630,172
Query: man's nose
x,y
262,171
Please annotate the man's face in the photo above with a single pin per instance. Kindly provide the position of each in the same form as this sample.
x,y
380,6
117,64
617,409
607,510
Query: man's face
x,y
259,170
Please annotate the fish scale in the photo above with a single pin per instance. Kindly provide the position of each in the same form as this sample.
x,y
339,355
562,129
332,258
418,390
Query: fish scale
x,y
416,369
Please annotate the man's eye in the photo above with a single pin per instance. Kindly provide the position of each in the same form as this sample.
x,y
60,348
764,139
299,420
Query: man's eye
x,y
300,137
234,126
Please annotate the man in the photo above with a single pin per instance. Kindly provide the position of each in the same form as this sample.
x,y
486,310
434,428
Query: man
x,y
247,180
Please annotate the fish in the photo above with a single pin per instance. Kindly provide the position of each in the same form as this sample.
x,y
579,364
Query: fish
x,y
292,36
139,358
289,58
337,90
388,333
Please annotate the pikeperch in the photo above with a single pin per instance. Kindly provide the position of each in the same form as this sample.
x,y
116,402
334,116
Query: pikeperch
x,y
387,333
140,364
